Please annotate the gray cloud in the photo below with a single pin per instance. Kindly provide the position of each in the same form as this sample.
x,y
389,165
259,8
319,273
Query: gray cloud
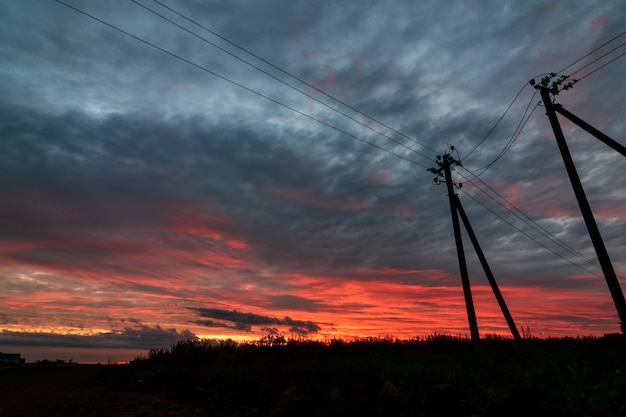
x,y
137,337
126,169
246,321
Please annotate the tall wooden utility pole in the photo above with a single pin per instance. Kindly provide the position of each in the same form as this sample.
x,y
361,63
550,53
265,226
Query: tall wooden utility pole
x,y
590,222
456,209
467,290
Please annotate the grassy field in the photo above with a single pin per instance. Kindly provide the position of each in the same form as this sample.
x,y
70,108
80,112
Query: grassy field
x,y
437,376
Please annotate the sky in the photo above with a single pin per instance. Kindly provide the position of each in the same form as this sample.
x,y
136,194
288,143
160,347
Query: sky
x,y
200,169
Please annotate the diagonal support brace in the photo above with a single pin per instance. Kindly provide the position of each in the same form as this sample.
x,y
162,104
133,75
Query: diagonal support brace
x,y
590,129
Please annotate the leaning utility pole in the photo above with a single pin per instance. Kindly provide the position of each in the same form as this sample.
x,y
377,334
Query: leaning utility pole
x,y
467,290
590,222
456,209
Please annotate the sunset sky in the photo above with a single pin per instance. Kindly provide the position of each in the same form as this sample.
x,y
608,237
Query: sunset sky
x,y
188,186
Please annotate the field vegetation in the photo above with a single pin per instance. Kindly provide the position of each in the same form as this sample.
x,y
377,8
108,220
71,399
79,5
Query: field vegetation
x,y
437,375
275,376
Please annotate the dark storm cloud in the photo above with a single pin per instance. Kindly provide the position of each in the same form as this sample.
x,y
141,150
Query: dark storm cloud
x,y
246,321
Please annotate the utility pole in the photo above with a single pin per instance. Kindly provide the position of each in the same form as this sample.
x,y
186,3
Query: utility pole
x,y
592,227
467,290
456,209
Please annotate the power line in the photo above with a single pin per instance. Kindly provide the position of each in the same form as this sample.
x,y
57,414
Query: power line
x,y
562,78
531,222
602,66
530,237
239,85
546,233
554,74
512,139
497,123
516,135
317,120
280,80
295,77
592,52
597,59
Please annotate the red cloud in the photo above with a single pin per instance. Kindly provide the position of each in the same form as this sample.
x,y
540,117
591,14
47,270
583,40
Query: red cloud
x,y
383,305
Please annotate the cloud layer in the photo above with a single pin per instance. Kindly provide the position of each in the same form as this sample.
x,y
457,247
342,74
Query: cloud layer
x,y
136,186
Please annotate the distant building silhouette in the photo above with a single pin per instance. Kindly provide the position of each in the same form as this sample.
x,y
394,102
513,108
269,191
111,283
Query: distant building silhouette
x,y
11,359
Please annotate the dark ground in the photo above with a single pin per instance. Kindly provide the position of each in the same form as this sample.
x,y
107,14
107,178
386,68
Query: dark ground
x,y
579,378
79,390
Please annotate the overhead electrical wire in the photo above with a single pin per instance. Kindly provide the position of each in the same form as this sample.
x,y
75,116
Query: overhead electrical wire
x,y
522,216
326,94
511,141
602,66
280,80
591,52
554,74
513,138
526,219
532,238
497,122
530,221
543,231
596,60
241,85
562,77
